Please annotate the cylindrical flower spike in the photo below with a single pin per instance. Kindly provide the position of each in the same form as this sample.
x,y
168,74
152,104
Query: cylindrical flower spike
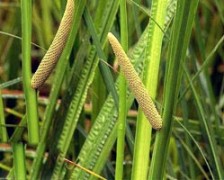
x,y
54,52
136,85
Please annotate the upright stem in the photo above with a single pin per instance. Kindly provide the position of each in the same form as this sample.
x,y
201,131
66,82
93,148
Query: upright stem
x,y
30,94
122,97
150,79
181,32
19,161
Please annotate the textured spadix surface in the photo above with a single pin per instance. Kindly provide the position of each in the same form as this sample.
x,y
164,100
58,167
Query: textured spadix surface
x,y
53,54
135,84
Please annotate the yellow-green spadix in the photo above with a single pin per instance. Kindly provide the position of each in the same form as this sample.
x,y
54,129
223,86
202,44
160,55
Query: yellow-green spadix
x,y
135,84
54,52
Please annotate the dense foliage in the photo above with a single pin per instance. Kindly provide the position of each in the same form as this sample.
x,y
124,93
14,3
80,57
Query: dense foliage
x,y
84,122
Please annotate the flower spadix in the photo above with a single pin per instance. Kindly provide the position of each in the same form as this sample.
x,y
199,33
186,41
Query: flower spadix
x,y
54,52
135,84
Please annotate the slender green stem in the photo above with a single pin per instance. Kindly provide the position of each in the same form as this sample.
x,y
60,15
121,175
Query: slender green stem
x,y
151,70
3,131
19,161
122,97
177,52
30,94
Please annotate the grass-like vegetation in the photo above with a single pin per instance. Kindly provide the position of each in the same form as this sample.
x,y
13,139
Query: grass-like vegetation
x,y
85,122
